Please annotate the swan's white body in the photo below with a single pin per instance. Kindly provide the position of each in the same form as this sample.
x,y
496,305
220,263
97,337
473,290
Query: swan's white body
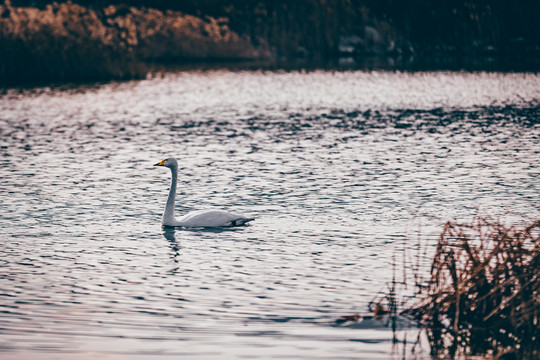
x,y
201,218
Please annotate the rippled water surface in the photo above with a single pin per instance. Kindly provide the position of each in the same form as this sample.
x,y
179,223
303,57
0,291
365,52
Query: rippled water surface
x,y
340,169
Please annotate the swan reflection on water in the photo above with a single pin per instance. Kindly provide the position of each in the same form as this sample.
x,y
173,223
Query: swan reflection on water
x,y
168,233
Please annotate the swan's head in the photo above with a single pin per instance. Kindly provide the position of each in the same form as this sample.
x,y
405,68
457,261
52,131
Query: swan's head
x,y
169,162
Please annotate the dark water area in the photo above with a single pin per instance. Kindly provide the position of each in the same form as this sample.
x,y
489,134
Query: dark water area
x,y
342,170
413,64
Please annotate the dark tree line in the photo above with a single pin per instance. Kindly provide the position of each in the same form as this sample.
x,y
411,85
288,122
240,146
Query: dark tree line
x,y
461,25
90,39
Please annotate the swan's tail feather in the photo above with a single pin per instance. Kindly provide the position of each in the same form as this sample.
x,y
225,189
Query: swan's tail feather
x,y
240,222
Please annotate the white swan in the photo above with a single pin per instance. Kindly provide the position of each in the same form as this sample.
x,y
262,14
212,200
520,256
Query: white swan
x,y
201,218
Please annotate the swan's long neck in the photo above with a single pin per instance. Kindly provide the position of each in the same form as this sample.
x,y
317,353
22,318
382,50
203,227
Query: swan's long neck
x,y
168,215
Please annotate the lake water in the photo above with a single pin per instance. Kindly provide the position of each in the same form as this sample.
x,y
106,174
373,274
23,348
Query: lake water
x,y
341,169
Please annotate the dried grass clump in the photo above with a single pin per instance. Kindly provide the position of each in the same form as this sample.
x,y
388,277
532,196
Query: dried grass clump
x,y
66,41
484,291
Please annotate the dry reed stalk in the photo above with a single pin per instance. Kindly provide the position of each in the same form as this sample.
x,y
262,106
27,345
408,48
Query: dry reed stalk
x,y
484,289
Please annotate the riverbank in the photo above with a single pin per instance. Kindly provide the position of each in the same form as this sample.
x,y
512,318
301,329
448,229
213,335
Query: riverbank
x,y
44,41
70,42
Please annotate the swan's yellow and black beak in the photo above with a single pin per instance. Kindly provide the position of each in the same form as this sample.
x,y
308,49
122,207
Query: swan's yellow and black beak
x,y
161,163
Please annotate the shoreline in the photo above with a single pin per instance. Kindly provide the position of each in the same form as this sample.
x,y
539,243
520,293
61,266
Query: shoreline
x,y
499,64
68,42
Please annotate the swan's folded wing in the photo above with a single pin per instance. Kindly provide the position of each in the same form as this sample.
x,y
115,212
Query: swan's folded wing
x,y
212,218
